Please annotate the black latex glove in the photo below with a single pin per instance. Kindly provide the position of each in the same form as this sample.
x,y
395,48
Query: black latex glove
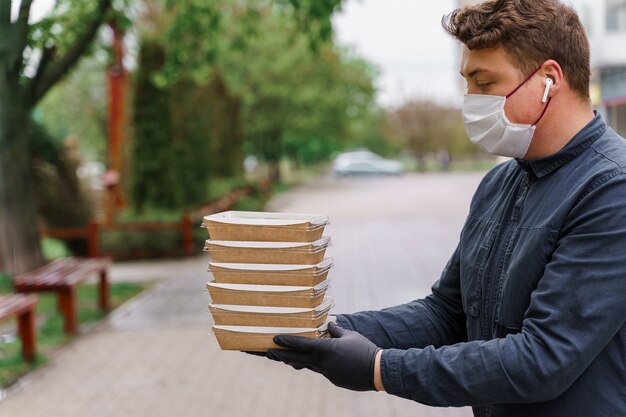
x,y
346,359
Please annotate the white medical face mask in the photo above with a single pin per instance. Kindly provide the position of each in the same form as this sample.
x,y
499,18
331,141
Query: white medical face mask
x,y
488,127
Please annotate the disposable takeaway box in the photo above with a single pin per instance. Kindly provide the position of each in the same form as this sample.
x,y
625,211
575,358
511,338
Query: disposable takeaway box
x,y
296,253
271,274
265,227
238,315
260,339
268,295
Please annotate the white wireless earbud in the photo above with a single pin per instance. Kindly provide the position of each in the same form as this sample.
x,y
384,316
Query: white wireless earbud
x,y
549,84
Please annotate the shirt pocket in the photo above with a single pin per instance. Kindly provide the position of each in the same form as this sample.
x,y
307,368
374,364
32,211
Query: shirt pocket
x,y
477,241
532,250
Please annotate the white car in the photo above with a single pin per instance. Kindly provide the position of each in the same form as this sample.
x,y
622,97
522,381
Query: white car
x,y
365,162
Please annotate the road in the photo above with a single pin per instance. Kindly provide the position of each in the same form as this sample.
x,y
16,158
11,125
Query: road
x,y
154,356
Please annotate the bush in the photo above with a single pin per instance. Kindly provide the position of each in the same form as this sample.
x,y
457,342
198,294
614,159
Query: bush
x,y
54,248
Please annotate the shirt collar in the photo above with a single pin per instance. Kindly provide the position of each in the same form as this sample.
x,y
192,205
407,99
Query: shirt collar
x,y
581,141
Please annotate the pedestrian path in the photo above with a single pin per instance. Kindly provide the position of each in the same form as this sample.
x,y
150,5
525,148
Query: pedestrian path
x,y
155,356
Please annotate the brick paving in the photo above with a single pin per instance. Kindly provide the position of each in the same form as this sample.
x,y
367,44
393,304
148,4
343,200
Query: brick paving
x,y
155,356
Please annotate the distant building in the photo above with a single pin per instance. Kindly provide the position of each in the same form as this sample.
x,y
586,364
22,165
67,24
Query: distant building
x,y
461,4
605,22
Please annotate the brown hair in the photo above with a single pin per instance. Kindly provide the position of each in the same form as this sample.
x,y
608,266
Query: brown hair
x,y
530,31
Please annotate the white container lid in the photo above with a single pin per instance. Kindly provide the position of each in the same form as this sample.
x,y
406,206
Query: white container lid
x,y
326,263
326,304
323,242
269,288
271,330
258,218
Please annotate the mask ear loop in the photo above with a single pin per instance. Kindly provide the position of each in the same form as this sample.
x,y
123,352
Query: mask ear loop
x,y
548,85
543,112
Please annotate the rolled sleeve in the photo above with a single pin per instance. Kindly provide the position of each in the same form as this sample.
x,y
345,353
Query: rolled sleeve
x,y
390,372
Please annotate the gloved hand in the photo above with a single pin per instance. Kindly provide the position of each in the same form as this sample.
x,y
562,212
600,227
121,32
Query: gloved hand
x,y
346,359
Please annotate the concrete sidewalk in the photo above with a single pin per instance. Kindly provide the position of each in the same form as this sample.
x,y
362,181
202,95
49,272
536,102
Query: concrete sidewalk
x,y
155,356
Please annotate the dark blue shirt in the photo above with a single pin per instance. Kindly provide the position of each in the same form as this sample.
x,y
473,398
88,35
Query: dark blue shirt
x,y
528,317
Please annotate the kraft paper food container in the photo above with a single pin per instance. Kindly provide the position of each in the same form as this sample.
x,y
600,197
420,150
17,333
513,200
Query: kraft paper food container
x,y
268,295
271,274
260,339
265,227
295,253
238,315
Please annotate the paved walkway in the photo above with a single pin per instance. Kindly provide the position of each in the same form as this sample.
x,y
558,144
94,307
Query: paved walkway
x,y
155,356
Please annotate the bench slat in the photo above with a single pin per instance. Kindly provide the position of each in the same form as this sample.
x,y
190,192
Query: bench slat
x,y
57,267
15,304
61,273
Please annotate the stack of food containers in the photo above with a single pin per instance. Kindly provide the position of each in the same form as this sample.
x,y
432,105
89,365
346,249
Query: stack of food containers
x,y
269,277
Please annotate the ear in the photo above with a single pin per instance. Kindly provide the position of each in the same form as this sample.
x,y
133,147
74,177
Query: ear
x,y
551,69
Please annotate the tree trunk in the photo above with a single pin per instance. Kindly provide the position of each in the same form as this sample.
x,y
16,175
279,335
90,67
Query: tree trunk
x,y
273,155
20,248
274,172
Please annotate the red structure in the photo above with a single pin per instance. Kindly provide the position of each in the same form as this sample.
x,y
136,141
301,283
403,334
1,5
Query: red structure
x,y
117,85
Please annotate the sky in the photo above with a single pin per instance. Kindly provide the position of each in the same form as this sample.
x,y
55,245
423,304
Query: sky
x,y
38,9
402,38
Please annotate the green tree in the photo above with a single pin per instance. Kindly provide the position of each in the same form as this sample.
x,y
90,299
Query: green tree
x,y
375,133
226,131
201,37
298,101
425,126
191,139
419,124
197,28
154,164
207,122
82,92
203,119
184,133
33,58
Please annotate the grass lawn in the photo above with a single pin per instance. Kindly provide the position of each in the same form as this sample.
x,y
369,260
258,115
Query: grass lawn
x,y
50,325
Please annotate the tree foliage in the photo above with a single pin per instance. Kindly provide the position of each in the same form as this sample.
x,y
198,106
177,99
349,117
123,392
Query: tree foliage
x,y
154,162
424,126
225,128
184,134
207,132
298,92
298,101
195,32
77,106
190,140
376,133
46,50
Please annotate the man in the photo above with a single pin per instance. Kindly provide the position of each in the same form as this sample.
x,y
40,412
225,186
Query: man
x,y
528,317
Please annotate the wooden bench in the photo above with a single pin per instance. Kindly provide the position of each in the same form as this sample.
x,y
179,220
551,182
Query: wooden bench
x,y
23,307
62,276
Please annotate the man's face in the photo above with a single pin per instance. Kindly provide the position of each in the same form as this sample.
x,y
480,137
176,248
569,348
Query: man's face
x,y
492,72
